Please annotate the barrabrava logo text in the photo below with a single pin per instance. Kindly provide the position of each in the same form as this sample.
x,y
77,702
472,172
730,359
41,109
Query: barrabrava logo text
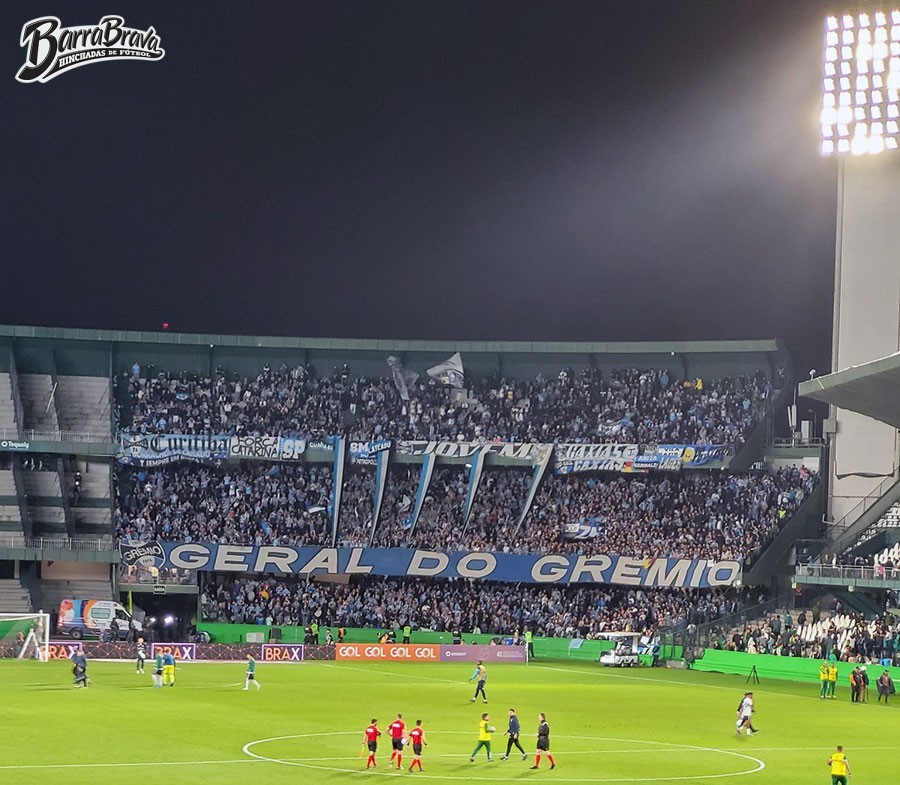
x,y
52,49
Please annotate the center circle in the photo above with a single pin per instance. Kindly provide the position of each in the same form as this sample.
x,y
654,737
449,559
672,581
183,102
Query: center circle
x,y
310,763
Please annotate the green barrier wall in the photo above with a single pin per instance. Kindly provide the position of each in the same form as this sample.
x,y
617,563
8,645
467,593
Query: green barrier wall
x,y
237,633
770,666
544,648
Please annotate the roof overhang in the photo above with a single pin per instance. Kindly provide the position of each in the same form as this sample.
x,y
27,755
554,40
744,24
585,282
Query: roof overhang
x,y
871,389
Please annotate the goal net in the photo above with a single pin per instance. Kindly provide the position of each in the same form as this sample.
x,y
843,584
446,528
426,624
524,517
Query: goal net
x,y
25,635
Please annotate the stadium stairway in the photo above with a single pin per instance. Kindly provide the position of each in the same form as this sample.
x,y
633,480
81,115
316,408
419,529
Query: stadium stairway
x,y
93,510
36,390
10,515
83,403
14,597
7,406
45,502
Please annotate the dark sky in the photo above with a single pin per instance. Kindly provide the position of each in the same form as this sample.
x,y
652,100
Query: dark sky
x,y
512,170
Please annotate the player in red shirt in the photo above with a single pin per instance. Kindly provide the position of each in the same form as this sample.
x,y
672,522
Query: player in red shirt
x,y
397,729
417,737
371,741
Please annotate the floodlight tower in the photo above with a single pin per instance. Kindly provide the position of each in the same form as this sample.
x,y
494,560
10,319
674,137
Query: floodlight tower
x,y
860,122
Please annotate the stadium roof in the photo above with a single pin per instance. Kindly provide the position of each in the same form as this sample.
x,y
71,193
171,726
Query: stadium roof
x,y
872,389
771,347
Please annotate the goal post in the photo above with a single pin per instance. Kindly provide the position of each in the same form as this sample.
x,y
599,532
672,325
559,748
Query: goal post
x,y
25,636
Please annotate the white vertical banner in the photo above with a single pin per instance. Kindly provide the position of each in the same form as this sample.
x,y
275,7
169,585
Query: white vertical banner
x,y
340,450
475,470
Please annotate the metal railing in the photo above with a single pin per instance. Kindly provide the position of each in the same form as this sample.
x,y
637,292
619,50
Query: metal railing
x,y
848,572
155,576
94,545
797,441
860,507
54,436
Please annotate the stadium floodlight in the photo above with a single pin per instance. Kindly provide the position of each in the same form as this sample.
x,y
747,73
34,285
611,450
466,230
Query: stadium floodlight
x,y
861,83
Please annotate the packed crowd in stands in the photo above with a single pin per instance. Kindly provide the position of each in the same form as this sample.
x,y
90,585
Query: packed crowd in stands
x,y
458,605
255,503
845,637
643,406
690,514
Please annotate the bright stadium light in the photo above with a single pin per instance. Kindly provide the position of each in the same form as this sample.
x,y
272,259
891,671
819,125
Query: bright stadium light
x,y
861,84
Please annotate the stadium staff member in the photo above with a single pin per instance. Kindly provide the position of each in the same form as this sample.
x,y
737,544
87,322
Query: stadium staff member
x,y
407,632
840,767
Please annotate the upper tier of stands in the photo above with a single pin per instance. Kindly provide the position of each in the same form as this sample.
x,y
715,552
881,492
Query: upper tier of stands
x,y
646,406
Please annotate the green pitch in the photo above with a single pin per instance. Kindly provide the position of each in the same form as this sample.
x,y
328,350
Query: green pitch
x,y
306,723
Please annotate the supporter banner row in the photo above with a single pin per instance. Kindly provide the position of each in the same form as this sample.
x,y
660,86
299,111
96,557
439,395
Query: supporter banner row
x,y
628,458
415,652
157,449
519,568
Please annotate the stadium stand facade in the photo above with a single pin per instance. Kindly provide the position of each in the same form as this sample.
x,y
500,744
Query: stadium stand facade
x,y
647,456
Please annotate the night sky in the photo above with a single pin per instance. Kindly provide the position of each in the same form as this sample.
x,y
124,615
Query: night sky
x,y
478,170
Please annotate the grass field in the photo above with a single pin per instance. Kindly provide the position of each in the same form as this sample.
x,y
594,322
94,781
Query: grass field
x,y
306,724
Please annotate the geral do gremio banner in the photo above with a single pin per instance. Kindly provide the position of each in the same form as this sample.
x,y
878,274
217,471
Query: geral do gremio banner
x,y
512,567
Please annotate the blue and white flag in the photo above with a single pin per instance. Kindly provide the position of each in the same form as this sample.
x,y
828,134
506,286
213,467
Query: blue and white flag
x,y
449,372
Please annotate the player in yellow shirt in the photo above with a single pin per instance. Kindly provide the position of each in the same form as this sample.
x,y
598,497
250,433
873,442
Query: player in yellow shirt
x,y
485,729
823,680
832,678
840,767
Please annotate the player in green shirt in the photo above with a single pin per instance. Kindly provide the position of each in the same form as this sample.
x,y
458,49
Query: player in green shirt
x,y
407,632
485,729
251,674
157,670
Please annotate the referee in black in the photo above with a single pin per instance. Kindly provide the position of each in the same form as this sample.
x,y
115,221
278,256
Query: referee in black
x,y
513,732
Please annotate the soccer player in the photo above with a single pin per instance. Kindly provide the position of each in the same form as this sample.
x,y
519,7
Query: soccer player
x,y
140,652
168,673
158,670
840,767
543,742
823,680
745,714
485,729
832,678
251,674
370,739
417,737
397,729
513,732
481,674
